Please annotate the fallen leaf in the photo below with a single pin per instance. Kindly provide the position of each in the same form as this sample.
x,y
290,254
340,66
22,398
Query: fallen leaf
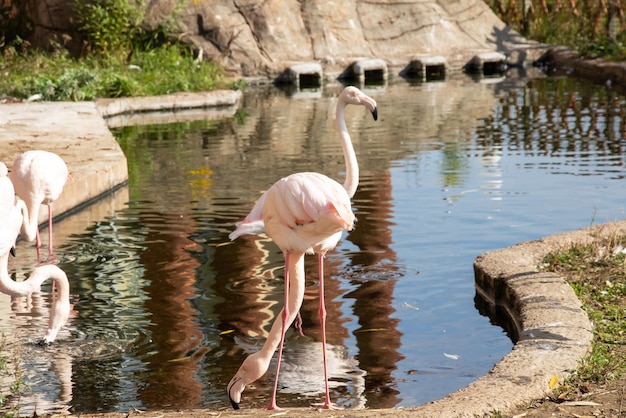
x,y
554,381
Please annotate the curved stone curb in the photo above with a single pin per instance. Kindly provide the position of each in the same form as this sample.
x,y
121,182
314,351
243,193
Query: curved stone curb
x,y
554,332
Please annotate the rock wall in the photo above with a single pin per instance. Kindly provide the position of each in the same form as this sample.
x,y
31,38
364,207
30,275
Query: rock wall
x,y
261,38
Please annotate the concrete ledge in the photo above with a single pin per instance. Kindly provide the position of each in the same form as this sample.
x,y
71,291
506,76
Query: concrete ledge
x,y
487,63
367,70
176,101
78,134
306,74
427,67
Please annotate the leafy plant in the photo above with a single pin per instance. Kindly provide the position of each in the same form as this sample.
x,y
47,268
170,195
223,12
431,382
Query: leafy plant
x,y
109,26
589,26
166,69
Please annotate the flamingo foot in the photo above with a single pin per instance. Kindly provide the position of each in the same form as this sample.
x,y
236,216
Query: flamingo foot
x,y
272,406
327,405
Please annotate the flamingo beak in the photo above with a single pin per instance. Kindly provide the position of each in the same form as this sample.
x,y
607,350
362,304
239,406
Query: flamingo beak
x,y
230,398
375,113
233,403
12,251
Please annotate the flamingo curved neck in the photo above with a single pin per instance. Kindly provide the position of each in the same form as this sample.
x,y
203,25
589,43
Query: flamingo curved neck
x,y
29,225
60,306
352,167
13,288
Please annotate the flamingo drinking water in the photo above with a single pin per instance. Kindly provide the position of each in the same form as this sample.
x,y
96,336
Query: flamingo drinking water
x,y
302,213
11,219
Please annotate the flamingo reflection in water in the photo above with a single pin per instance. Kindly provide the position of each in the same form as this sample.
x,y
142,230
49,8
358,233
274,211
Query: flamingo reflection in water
x,y
302,213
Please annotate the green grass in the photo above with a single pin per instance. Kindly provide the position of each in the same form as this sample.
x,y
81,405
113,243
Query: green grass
x,y
11,372
597,273
167,69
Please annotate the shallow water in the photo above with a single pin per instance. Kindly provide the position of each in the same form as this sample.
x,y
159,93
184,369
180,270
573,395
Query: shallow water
x,y
165,308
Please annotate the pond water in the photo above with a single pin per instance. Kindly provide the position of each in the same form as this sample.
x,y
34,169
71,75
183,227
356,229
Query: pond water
x,y
165,307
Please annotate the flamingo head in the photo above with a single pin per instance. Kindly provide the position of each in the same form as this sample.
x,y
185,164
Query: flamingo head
x,y
352,95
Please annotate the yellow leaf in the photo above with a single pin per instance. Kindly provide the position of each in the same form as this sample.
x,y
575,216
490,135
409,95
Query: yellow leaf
x,y
554,381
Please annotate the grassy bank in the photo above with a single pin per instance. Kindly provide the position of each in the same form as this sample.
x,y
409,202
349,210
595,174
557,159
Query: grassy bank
x,y
166,69
119,55
597,273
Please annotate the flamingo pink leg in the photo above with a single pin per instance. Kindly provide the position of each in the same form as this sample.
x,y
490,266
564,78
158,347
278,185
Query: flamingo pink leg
x,y
285,316
38,246
37,241
50,251
322,314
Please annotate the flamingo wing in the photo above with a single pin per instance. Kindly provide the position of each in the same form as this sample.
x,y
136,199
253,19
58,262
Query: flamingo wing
x,y
304,209
253,222
39,176
301,210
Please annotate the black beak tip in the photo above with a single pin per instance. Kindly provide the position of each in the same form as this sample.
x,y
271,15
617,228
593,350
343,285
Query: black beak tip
x,y
233,403
12,251
375,113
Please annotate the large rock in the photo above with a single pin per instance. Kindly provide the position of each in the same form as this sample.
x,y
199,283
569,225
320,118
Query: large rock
x,y
53,23
253,38
256,38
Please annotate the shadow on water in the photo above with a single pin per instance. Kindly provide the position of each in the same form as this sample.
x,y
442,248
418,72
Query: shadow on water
x,y
165,307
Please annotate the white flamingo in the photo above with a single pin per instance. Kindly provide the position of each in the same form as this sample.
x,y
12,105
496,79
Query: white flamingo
x,y
11,220
38,178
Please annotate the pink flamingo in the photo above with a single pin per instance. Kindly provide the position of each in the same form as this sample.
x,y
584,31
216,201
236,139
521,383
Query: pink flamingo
x,y
302,213
11,219
38,178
